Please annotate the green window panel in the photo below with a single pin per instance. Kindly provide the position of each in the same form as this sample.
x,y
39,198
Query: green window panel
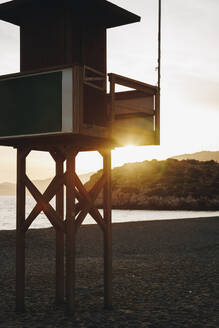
x,y
31,105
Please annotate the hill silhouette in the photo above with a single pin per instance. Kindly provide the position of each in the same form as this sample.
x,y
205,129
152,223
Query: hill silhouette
x,y
164,185
9,189
200,156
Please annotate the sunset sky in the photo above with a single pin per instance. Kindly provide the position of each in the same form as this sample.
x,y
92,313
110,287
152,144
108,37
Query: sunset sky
x,y
189,85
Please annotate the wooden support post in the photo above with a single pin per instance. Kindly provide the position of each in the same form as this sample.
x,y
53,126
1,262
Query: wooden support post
x,y
60,237
108,230
70,231
20,235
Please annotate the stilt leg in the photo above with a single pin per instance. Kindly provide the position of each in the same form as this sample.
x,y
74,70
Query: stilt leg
x,y
108,231
60,238
70,232
20,235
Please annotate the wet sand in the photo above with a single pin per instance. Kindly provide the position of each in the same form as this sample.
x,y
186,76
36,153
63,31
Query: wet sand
x,y
165,274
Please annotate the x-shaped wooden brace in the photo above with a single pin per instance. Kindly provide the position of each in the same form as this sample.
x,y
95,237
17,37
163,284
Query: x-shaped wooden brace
x,y
43,203
84,206
86,201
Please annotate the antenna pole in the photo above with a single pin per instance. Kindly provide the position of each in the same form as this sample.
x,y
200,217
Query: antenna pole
x,y
157,114
159,44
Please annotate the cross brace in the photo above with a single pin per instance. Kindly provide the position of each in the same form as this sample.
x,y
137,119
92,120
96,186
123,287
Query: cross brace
x,y
65,228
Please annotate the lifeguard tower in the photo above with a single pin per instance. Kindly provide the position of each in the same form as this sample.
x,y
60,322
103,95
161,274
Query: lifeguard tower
x,y
58,103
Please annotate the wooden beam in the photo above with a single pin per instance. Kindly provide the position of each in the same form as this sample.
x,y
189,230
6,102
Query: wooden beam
x,y
77,99
70,232
133,84
57,155
60,234
20,235
49,193
47,208
87,199
81,205
94,192
108,230
47,142
97,217
111,108
80,218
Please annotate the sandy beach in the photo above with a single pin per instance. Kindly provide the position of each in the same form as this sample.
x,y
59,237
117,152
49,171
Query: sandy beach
x,y
165,274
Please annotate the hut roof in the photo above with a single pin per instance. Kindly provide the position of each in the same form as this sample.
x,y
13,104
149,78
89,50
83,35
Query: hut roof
x,y
100,12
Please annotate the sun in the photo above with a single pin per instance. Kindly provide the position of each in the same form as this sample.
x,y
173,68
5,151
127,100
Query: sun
x,y
132,154
93,161
127,154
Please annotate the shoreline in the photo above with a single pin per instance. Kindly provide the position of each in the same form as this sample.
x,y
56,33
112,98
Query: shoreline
x,y
164,276
127,222
8,211
164,205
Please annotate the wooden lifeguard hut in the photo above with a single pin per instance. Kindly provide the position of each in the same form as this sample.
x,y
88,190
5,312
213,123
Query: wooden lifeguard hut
x,y
58,103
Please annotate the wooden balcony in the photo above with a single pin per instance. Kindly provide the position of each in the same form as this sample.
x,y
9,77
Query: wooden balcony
x,y
134,114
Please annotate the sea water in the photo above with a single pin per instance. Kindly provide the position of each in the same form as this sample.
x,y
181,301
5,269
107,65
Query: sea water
x,y
8,214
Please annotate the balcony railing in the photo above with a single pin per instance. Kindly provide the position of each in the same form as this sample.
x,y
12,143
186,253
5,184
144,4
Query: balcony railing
x,y
134,114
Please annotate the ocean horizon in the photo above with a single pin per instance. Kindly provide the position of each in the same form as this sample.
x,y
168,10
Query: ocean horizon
x,y
8,214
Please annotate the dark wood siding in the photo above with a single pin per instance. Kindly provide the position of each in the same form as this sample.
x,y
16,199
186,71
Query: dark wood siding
x,y
42,41
94,56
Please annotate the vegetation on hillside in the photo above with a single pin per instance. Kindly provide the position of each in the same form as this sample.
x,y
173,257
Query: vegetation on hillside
x,y
164,185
